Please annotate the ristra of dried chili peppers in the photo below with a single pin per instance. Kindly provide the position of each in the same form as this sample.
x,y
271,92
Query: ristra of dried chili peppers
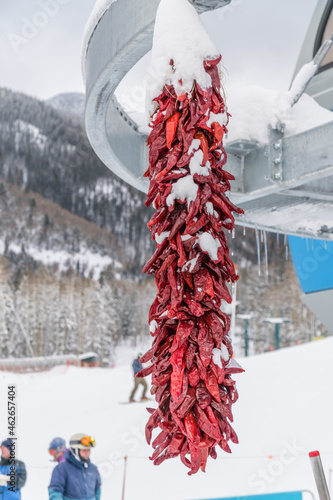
x,y
191,363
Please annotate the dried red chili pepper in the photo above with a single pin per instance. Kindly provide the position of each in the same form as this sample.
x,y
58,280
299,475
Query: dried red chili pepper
x,y
171,127
190,426
194,394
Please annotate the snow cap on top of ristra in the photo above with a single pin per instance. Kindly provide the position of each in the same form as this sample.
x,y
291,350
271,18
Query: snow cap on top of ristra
x,y
180,46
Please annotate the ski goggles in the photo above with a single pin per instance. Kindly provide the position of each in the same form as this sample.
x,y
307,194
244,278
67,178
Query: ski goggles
x,y
54,451
85,441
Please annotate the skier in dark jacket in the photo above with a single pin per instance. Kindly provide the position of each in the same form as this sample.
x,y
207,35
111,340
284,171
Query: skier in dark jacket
x,y
137,366
12,472
76,478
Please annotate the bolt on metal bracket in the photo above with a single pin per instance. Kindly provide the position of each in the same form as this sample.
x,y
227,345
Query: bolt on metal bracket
x,y
275,154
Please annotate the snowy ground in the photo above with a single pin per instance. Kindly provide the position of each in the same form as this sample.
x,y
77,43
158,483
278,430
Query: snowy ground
x,y
285,410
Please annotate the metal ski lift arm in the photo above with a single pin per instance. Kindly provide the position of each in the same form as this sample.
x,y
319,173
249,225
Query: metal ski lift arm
x,y
120,38
296,93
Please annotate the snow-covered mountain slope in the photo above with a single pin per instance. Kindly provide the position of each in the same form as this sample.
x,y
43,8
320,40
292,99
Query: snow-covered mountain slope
x,y
284,411
47,151
40,231
69,102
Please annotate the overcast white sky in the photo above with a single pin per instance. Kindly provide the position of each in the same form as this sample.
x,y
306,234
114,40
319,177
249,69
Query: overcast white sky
x,y
49,62
259,40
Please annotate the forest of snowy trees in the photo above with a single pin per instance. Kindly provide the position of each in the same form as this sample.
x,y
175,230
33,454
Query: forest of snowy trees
x,y
54,314
50,314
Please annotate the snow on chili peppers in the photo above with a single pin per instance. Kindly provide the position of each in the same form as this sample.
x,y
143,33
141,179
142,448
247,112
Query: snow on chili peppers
x,y
191,355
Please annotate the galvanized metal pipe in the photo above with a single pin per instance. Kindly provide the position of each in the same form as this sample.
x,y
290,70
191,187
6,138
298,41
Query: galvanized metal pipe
x,y
319,475
317,60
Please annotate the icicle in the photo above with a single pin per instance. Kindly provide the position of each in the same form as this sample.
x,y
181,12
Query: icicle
x,y
232,289
312,244
287,252
233,233
258,251
278,239
261,236
266,253
244,231
307,244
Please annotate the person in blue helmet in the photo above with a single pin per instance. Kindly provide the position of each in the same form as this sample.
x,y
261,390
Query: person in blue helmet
x,y
12,472
76,478
137,366
57,449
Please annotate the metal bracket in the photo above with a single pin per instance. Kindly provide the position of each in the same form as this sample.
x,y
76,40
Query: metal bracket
x,y
275,155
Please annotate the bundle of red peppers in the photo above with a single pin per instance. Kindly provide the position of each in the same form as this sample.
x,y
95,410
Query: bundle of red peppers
x,y
191,355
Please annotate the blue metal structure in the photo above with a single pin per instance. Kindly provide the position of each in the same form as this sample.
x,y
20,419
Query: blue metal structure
x,y
313,261
285,495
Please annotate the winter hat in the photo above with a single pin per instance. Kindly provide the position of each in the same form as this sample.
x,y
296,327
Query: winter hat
x,y
8,443
58,444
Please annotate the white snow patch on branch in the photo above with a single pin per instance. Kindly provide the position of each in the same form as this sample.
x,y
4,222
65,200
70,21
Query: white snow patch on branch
x,y
159,238
217,354
186,237
195,164
183,189
224,352
220,118
210,208
195,145
233,364
208,244
152,326
301,79
190,264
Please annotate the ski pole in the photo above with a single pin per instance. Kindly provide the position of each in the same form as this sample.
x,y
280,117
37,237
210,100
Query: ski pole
x,y
124,478
319,475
